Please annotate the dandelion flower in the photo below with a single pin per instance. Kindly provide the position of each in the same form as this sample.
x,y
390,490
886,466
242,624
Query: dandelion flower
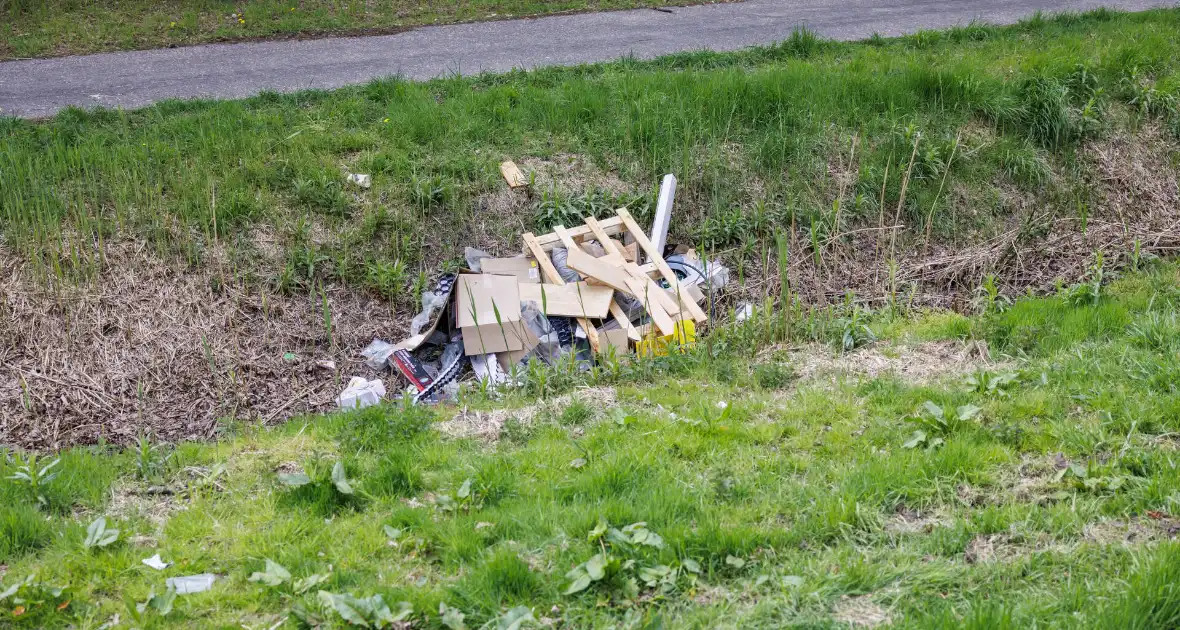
x,y
172,25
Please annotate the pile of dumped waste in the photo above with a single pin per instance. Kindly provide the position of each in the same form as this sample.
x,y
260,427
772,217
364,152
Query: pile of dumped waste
x,y
604,288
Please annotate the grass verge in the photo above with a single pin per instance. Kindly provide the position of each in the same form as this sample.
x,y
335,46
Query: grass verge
x,y
44,28
740,485
196,246
1011,136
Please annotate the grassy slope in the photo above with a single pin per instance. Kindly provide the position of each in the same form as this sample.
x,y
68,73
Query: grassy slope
x,y
807,479
74,27
758,140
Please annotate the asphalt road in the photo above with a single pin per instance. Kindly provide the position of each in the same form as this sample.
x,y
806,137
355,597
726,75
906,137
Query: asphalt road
x,y
37,88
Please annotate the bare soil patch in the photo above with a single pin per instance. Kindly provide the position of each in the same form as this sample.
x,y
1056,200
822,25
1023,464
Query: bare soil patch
x,y
913,363
860,612
487,425
148,347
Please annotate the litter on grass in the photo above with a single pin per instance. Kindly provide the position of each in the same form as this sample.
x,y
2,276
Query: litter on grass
x,y
191,583
361,393
601,288
156,563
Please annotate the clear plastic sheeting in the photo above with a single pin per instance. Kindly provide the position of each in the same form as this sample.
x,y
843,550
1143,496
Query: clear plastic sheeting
x,y
432,303
709,275
549,349
444,386
474,257
377,354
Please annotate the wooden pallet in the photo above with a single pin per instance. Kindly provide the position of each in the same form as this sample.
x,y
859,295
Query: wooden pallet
x,y
664,306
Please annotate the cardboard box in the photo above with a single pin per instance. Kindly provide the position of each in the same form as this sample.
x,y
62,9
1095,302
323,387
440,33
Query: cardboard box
x,y
525,269
412,369
509,359
615,338
487,311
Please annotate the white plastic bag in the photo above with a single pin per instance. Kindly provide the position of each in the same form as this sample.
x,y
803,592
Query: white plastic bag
x,y
361,393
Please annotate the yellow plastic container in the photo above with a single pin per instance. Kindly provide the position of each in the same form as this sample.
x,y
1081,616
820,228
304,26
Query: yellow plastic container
x,y
657,345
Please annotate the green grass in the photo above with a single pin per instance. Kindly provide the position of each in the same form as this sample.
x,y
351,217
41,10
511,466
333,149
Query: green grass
x,y
754,137
39,28
794,503
785,508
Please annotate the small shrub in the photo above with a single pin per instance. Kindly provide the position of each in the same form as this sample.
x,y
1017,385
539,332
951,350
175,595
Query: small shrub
x,y
853,330
936,423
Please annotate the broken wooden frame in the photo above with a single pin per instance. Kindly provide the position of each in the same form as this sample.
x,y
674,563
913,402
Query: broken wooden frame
x,y
663,306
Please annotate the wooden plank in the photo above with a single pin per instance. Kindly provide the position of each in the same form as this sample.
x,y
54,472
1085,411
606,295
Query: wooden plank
x,y
618,279
659,227
666,299
513,175
598,269
570,300
550,273
603,238
666,271
647,293
631,252
550,242
612,247
567,241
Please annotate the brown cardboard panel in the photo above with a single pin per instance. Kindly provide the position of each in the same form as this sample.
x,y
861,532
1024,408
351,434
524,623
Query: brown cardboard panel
x,y
487,310
524,269
570,300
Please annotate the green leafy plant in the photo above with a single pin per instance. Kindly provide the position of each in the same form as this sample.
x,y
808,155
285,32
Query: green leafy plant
x,y
464,500
99,535
982,381
936,423
853,327
451,617
150,458
33,476
1089,290
32,598
1093,478
988,299
326,489
366,612
276,574
143,612
620,568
